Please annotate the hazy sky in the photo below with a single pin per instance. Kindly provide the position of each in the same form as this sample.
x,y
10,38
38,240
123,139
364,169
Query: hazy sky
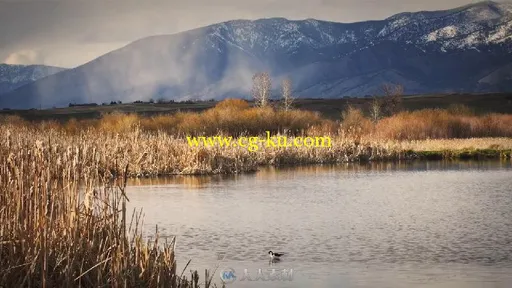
x,y
68,33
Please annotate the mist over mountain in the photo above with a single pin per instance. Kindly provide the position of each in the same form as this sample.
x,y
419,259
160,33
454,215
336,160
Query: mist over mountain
x,y
15,76
467,49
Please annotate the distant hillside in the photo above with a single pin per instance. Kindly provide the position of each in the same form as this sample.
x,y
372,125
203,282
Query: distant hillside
x,y
15,76
467,49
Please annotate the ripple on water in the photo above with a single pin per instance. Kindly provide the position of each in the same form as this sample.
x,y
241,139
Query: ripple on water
x,y
391,228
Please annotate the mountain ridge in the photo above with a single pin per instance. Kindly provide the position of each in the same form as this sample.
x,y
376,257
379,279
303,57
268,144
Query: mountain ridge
x,y
13,76
455,50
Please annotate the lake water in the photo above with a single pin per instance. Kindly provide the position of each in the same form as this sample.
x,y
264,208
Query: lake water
x,y
420,224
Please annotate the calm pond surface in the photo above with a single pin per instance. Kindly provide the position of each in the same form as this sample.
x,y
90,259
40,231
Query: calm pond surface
x,y
420,224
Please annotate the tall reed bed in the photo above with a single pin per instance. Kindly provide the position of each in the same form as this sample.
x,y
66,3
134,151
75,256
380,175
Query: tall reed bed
x,y
159,153
63,218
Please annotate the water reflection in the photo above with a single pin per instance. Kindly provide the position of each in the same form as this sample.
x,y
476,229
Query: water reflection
x,y
392,166
187,181
203,181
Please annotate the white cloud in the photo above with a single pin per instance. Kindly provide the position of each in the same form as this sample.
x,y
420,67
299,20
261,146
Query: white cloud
x,y
62,55
23,57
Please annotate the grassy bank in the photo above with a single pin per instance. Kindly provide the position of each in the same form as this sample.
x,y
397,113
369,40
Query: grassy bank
x,y
160,153
474,148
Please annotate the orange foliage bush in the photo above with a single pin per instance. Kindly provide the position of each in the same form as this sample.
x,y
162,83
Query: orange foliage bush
x,y
235,117
437,124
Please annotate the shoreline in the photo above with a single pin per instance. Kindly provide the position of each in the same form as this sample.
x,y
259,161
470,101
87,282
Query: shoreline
x,y
407,156
476,154
161,154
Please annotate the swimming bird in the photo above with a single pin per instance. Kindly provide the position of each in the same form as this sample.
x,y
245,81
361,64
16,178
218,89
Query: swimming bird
x,y
275,256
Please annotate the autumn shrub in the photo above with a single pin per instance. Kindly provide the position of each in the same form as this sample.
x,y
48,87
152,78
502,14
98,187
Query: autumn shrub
x,y
354,122
491,125
230,117
232,104
460,109
235,117
118,122
442,124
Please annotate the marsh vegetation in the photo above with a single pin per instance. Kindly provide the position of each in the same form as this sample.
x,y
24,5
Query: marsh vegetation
x,y
157,145
64,221
62,200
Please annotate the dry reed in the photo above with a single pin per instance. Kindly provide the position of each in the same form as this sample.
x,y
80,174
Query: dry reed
x,y
64,220
159,153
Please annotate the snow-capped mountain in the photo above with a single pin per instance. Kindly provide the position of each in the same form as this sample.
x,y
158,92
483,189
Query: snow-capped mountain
x,y
470,26
15,76
464,49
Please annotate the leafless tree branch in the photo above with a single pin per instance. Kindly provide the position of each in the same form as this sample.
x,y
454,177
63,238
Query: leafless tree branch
x,y
261,88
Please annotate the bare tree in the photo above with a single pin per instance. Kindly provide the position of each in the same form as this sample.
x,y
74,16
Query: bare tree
x,y
261,87
286,88
393,97
375,109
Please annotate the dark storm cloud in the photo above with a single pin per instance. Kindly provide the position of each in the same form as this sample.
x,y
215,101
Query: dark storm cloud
x,y
70,32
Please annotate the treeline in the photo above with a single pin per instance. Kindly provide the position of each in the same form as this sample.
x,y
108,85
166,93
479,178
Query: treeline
x,y
150,101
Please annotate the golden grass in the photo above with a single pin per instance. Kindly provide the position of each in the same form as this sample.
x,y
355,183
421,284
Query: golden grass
x,y
159,153
458,144
64,221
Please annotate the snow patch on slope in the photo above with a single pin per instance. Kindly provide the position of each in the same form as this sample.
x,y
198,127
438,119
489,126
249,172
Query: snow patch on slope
x,y
501,34
443,33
